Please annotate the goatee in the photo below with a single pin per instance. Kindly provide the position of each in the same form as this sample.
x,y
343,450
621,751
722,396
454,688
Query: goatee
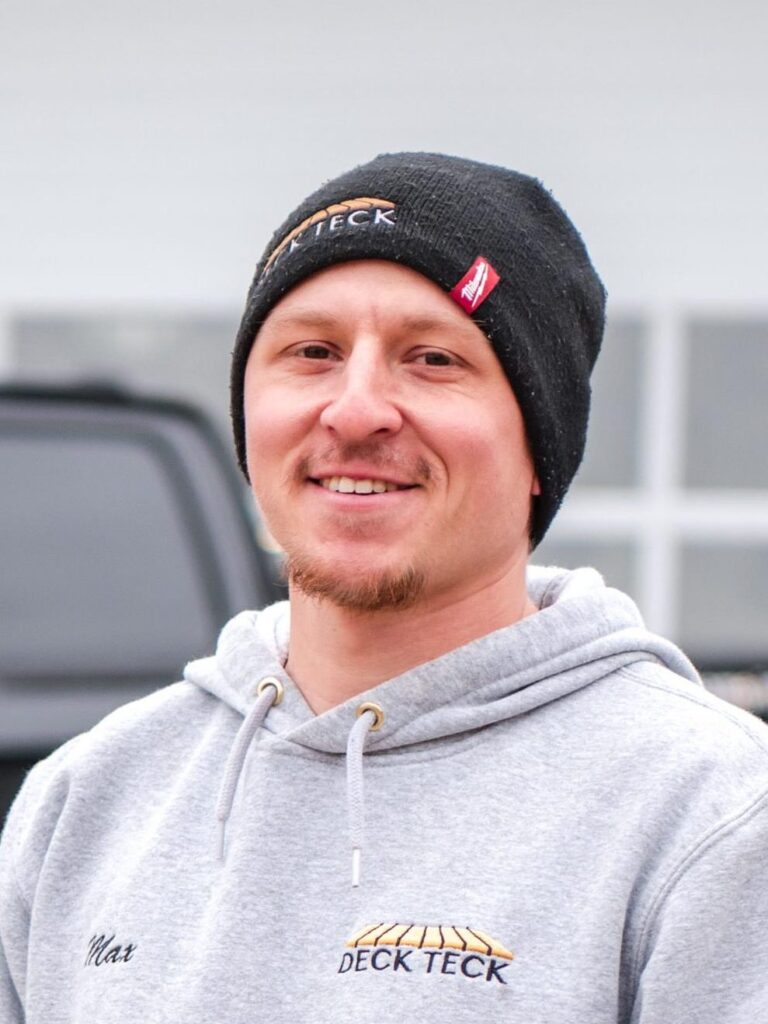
x,y
371,592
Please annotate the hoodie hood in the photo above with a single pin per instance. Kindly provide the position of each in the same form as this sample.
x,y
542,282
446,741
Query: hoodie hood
x,y
583,632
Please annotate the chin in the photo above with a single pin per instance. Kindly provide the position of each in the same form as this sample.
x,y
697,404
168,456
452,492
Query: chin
x,y
370,590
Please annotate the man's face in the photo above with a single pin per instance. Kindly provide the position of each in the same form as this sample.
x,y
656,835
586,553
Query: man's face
x,y
384,443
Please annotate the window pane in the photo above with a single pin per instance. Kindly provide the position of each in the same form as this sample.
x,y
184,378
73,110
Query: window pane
x,y
180,356
95,553
614,559
727,410
724,597
612,455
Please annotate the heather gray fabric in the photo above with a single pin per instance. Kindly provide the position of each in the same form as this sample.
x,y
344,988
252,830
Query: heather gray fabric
x,y
561,827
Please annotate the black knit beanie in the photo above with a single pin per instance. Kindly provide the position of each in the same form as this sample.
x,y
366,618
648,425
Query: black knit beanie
x,y
503,249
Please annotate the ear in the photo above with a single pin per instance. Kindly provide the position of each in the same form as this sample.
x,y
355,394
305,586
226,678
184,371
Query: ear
x,y
535,486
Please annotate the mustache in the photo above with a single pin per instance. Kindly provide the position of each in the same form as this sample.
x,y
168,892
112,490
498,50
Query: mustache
x,y
377,455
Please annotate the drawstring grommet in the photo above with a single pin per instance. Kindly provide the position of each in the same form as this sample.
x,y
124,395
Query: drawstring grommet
x,y
378,714
271,681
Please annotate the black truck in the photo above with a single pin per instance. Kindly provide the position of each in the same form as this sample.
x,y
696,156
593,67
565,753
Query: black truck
x,y
127,540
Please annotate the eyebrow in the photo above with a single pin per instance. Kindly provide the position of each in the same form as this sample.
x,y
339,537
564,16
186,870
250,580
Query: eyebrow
x,y
301,318
328,321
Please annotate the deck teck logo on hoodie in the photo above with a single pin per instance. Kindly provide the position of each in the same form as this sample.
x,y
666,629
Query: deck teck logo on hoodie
x,y
426,949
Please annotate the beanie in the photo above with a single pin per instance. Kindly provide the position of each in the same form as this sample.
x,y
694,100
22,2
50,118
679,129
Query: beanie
x,y
498,243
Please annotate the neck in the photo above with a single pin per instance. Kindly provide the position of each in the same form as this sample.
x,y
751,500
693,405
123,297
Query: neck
x,y
336,653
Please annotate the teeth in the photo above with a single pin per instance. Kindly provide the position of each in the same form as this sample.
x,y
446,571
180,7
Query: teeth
x,y
346,485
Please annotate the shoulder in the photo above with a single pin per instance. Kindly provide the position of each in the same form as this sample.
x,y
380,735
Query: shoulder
x,y
151,727
133,753
162,726
706,765
694,714
709,755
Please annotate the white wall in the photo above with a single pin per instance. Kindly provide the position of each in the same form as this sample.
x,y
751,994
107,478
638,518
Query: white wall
x,y
150,148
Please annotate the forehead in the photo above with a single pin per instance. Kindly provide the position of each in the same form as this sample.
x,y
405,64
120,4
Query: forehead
x,y
376,292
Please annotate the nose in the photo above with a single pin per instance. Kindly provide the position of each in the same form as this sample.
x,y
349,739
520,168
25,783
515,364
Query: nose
x,y
363,403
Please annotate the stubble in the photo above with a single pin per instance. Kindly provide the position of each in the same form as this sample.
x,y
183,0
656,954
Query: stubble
x,y
372,592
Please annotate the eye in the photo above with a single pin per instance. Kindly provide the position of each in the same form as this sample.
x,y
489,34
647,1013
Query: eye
x,y
435,357
314,350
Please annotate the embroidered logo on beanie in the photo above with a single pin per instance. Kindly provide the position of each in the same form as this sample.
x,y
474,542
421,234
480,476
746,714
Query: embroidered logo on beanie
x,y
349,214
476,285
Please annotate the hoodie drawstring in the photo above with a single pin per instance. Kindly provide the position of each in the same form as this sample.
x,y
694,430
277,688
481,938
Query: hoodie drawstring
x,y
270,693
370,718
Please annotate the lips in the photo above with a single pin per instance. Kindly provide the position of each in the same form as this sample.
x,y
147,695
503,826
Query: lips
x,y
364,476
367,485
359,485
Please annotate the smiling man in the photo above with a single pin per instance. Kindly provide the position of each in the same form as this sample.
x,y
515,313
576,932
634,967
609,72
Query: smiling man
x,y
559,823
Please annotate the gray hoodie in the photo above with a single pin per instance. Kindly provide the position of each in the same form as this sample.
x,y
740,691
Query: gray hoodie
x,y
559,826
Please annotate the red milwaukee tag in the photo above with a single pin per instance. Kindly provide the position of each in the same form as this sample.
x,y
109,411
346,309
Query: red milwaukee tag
x,y
476,285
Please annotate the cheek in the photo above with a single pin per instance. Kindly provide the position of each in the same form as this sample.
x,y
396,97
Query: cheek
x,y
475,446
270,429
492,460
258,439
265,435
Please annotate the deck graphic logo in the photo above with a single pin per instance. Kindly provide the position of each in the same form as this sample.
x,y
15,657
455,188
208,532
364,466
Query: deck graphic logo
x,y
426,949
347,215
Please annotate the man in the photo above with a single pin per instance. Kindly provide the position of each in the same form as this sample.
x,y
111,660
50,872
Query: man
x,y
435,784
